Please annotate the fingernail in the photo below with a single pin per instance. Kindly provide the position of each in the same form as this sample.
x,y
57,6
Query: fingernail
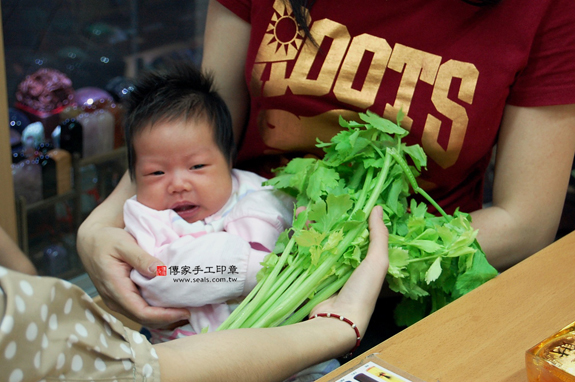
x,y
154,267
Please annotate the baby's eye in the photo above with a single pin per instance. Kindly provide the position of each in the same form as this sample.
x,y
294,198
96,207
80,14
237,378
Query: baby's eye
x,y
198,166
156,173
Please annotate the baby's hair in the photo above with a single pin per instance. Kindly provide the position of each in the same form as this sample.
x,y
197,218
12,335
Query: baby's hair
x,y
176,92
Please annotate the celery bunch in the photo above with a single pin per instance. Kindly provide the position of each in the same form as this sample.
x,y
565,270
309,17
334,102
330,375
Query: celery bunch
x,y
433,259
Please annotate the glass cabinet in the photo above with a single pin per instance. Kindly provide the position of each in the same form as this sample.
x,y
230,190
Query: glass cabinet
x,y
68,64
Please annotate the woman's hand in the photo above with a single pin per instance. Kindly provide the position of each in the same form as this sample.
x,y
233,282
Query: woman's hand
x,y
109,253
356,300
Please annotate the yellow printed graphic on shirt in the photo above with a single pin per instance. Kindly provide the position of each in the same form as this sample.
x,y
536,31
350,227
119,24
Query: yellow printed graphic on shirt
x,y
283,44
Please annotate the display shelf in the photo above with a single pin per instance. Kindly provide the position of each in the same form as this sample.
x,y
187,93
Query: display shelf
x,y
95,44
73,36
54,221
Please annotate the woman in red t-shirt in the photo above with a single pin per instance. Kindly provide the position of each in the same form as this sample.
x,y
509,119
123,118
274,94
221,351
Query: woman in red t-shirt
x,y
468,78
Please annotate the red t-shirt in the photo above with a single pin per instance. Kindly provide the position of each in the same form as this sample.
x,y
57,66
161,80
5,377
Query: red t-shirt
x,y
451,67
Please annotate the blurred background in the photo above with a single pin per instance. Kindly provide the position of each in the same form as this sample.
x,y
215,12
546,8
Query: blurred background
x,y
68,65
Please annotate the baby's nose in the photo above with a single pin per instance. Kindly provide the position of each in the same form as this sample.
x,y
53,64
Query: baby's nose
x,y
180,183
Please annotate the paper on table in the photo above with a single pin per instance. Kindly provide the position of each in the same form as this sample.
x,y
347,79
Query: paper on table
x,y
374,369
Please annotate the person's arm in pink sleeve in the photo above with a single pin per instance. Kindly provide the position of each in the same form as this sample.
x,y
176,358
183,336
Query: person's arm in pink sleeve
x,y
259,219
152,229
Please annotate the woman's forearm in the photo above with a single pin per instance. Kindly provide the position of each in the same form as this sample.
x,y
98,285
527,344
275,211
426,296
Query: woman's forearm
x,y
272,354
507,240
533,162
12,257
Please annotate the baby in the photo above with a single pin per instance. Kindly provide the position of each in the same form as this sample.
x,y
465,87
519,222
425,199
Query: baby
x,y
211,225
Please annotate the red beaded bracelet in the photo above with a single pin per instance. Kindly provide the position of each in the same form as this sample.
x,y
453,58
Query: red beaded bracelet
x,y
342,318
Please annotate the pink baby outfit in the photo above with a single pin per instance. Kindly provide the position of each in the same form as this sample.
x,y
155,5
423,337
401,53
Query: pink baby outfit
x,y
213,263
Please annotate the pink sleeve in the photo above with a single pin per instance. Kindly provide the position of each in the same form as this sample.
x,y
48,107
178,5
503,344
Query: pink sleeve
x,y
152,229
255,258
259,218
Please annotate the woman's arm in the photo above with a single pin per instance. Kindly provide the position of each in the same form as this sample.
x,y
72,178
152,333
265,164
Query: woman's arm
x,y
534,158
109,253
277,353
243,355
12,257
226,41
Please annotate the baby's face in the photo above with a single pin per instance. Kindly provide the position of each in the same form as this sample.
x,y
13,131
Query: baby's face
x,y
180,167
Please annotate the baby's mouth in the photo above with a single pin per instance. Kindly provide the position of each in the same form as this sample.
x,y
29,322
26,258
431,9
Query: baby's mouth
x,y
187,211
183,208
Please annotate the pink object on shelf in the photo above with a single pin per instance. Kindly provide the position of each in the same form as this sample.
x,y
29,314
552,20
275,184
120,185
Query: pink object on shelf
x,y
27,176
98,132
42,95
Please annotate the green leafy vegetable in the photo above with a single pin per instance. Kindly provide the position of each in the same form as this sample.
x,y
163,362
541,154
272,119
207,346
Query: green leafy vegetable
x,y
433,259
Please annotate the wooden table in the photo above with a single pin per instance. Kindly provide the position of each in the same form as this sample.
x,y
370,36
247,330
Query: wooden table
x,y
483,335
